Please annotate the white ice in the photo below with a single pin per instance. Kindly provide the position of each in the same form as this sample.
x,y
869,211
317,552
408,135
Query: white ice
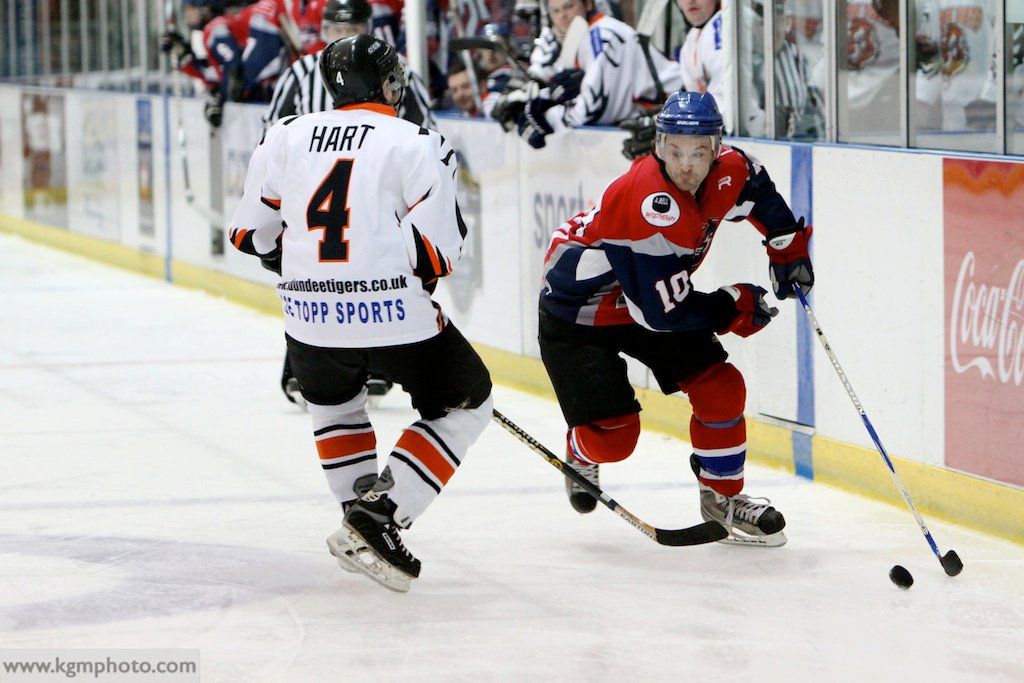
x,y
156,491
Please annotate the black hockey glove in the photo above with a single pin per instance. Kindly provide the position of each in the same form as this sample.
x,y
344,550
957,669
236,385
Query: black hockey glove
x,y
641,135
565,85
533,124
272,261
174,44
236,85
512,102
213,109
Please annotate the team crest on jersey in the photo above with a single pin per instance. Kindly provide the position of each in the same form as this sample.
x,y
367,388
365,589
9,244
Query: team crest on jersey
x,y
660,210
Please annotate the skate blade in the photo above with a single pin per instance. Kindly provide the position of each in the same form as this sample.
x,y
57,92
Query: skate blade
x,y
339,548
360,557
739,538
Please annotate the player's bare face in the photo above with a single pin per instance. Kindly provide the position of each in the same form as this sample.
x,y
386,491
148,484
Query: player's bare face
x,y
331,31
687,159
697,12
563,12
196,17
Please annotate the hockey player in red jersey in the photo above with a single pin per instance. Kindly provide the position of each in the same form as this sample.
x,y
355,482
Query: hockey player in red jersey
x,y
617,281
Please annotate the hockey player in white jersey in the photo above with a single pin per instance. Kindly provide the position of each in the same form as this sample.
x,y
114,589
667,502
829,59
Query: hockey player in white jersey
x,y
620,76
361,206
707,65
300,90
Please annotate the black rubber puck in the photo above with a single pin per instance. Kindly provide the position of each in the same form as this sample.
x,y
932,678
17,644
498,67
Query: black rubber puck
x,y
901,577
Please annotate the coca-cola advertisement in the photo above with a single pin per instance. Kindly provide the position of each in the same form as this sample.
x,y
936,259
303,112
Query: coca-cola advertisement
x,y
984,273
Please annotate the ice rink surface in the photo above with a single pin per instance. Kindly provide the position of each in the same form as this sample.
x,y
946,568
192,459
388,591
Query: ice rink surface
x,y
156,491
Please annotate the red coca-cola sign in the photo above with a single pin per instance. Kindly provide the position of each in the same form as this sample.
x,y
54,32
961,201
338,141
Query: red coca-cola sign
x,y
983,203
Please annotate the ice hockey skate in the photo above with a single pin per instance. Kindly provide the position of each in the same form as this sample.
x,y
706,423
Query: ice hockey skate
x,y
749,521
369,541
581,501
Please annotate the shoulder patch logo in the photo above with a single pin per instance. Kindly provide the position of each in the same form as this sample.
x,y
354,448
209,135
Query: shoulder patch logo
x,y
660,210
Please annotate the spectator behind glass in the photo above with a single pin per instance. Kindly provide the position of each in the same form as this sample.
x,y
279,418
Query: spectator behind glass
x,y
460,88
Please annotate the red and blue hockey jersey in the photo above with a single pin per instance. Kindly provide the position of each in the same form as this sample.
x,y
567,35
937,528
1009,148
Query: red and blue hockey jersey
x,y
630,257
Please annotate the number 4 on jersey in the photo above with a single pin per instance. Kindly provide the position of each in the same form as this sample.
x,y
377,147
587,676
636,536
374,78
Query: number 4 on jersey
x,y
328,211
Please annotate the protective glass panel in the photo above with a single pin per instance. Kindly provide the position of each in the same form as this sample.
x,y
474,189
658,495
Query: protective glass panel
x,y
952,65
868,59
115,42
800,70
72,11
751,69
1014,76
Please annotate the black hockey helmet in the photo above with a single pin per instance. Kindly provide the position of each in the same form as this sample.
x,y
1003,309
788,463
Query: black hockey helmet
x,y
362,69
347,11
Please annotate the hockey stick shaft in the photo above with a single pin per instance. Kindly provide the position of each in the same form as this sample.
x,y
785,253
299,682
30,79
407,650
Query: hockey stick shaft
x,y
695,535
950,562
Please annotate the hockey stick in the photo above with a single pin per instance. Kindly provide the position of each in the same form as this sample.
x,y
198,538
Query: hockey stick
x,y
950,562
708,532
179,114
649,18
574,35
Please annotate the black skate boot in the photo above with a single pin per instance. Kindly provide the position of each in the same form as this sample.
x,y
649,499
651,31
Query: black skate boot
x,y
374,521
750,521
581,501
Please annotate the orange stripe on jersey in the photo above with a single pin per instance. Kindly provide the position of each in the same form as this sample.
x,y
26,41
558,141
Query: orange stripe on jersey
x,y
346,444
272,203
417,202
238,237
416,445
434,261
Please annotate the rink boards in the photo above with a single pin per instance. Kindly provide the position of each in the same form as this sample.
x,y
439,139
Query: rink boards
x,y
919,259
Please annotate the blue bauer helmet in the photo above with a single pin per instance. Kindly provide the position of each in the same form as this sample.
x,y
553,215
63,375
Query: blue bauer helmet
x,y
690,113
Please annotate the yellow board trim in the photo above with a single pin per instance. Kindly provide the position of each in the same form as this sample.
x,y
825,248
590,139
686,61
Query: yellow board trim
x,y
956,497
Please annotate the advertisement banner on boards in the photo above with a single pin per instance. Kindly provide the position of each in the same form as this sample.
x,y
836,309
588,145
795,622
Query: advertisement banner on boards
x,y
94,166
984,276
45,171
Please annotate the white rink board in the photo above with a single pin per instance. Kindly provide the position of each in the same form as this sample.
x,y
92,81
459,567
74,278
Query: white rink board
x,y
879,297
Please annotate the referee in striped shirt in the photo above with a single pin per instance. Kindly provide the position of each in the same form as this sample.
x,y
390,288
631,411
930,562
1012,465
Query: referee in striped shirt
x,y
300,90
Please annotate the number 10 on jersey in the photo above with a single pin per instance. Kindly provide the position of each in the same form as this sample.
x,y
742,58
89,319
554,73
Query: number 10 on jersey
x,y
328,211
678,285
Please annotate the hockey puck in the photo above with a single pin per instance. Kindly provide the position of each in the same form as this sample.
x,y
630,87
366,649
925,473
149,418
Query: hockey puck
x,y
901,577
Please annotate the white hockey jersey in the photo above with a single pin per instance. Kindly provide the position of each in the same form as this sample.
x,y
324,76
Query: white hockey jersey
x,y
964,34
364,205
707,67
617,81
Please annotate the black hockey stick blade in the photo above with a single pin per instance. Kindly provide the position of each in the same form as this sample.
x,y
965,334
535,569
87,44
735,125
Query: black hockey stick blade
x,y
473,43
708,532
951,563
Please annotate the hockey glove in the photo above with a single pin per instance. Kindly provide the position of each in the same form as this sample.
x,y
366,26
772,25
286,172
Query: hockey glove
x,y
752,313
174,44
512,102
533,124
789,261
213,109
272,261
641,136
565,85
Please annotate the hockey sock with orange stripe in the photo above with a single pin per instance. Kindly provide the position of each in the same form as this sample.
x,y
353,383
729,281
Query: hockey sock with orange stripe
x,y
428,453
346,444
